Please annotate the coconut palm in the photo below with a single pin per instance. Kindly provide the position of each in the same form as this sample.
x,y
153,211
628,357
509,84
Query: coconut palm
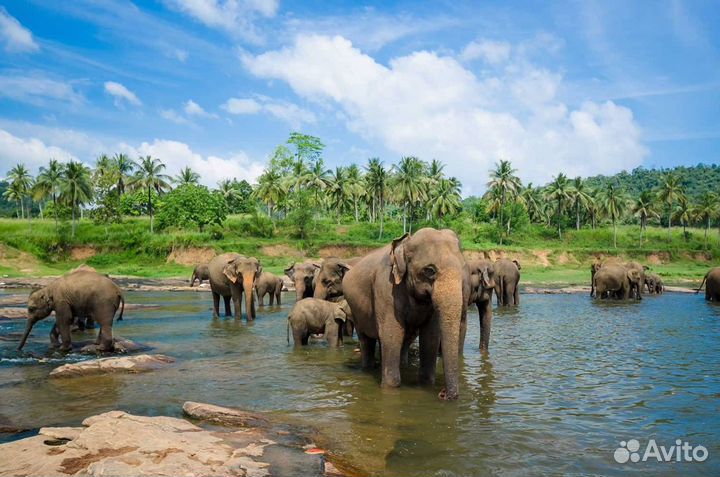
x,y
22,181
503,184
708,206
559,191
48,181
683,213
580,197
271,189
644,208
318,178
531,198
338,191
76,187
15,193
187,176
124,166
613,202
446,198
408,185
355,187
377,179
670,191
148,176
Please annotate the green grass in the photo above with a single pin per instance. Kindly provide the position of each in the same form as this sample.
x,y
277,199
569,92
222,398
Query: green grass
x,y
129,248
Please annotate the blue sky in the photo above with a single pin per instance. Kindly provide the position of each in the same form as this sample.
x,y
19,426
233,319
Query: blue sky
x,y
577,87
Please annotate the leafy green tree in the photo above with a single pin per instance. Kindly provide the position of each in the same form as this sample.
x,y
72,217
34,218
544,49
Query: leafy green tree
x,y
355,188
124,167
338,191
408,185
559,191
446,199
644,209
15,193
135,203
708,206
186,176
237,195
683,214
503,184
301,214
271,189
149,176
307,148
76,188
20,181
581,197
613,203
318,179
670,191
191,205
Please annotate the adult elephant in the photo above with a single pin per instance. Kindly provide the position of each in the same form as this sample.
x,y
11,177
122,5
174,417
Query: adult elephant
x,y
712,285
617,281
641,269
268,284
231,274
329,278
482,285
507,278
413,286
654,284
200,272
303,276
83,293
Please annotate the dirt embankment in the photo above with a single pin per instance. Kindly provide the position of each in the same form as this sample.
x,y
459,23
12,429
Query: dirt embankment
x,y
191,255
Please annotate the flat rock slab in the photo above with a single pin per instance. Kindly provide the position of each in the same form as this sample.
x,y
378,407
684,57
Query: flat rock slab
x,y
125,364
223,415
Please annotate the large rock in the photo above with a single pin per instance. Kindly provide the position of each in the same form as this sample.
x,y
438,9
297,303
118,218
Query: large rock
x,y
223,415
124,364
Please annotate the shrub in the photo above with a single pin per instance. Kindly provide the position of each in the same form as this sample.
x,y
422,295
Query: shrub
x,y
191,206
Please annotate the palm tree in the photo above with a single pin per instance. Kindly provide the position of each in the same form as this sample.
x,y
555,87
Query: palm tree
x,y
104,166
504,183
226,187
271,189
409,185
123,168
446,199
671,190
76,187
434,175
14,192
559,191
581,198
613,202
707,207
188,176
530,196
318,179
149,176
644,208
355,187
683,213
49,180
376,179
338,191
21,180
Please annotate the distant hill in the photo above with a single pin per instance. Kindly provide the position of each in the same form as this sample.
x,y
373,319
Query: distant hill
x,y
696,179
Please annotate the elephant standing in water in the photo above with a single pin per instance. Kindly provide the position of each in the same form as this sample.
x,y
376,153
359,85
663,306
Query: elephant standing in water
x,y
200,273
268,284
415,285
84,294
507,278
482,284
712,285
641,269
615,280
303,276
314,316
654,284
231,274
329,283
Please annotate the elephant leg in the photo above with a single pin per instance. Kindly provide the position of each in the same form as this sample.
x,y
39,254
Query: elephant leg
x,y
429,346
516,294
348,328
486,314
507,293
305,338
463,332
367,350
54,336
299,337
277,297
228,311
63,322
391,347
271,299
90,323
105,336
216,305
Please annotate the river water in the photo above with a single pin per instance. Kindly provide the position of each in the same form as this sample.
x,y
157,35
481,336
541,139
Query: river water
x,y
566,381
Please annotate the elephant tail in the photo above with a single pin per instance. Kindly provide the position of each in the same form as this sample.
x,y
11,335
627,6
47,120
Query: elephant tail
x,y
122,307
703,283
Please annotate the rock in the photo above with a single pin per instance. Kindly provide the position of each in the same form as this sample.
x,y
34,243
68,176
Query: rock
x,y
13,313
124,364
68,433
120,444
122,346
223,415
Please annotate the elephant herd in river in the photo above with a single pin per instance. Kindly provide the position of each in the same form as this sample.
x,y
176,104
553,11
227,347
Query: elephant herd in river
x,y
419,286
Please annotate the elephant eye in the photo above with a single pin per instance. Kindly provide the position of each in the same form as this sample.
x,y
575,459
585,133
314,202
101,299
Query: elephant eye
x,y
429,272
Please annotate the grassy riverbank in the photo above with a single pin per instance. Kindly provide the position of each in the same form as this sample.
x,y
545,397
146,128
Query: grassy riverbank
x,y
37,249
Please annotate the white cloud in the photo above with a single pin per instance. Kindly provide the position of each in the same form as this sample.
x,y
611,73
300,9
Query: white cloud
x,y
16,37
35,90
493,52
29,151
431,106
212,169
120,92
172,115
288,112
191,108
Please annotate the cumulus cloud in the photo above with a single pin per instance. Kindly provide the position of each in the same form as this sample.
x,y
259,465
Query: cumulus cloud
x,y
29,151
291,113
172,115
176,155
490,51
121,93
191,108
36,90
432,106
15,37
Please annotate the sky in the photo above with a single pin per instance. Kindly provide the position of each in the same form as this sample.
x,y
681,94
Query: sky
x,y
582,87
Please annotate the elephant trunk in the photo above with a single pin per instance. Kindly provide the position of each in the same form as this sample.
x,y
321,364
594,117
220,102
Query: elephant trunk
x,y
28,328
320,291
448,301
249,298
299,289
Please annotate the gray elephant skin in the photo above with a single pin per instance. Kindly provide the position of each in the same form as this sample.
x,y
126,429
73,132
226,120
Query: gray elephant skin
x,y
303,277
200,272
268,284
507,278
712,285
654,284
84,294
329,283
231,275
314,316
415,285
615,280
482,285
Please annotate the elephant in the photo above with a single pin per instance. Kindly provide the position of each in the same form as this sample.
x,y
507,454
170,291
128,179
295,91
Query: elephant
x,y
415,285
231,274
507,277
303,276
618,281
712,285
268,284
200,273
314,316
482,283
83,294
329,278
654,284
641,271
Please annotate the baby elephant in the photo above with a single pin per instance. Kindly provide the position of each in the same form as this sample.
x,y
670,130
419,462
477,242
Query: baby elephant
x,y
314,316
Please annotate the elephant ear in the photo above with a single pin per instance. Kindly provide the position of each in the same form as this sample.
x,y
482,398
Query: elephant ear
x,y
517,264
397,258
230,272
343,268
290,271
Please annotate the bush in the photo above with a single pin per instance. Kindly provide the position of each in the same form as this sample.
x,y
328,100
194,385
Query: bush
x,y
191,206
260,225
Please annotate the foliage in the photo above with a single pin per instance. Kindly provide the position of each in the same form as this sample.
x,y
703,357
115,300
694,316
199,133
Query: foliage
x,y
191,205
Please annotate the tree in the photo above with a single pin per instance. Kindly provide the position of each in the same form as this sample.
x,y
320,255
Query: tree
x,y
683,213
613,202
76,188
186,176
581,198
14,193
271,189
376,179
191,205
644,208
355,188
409,185
318,179
707,207
123,166
446,199
670,191
149,177
559,191
21,181
237,195
338,191
503,183
307,148
531,197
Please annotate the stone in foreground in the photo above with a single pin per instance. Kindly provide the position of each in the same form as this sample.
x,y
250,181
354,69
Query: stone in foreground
x,y
125,364
223,415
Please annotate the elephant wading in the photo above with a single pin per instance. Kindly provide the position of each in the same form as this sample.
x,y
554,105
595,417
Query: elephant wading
x,y
83,294
314,316
329,278
268,284
617,281
231,275
200,273
303,276
507,278
482,284
654,284
415,285
712,285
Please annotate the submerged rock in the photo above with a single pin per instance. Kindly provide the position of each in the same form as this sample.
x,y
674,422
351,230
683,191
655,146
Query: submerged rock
x,y
122,346
223,415
124,364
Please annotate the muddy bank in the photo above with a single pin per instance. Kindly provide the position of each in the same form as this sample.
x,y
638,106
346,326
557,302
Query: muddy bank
x,y
538,290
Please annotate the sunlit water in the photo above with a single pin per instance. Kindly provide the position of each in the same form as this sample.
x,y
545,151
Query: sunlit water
x,y
567,380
